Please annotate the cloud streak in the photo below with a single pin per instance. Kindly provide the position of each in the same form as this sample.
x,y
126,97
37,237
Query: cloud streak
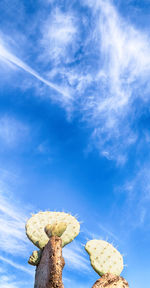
x,y
103,83
106,72
75,258
15,265
10,281
137,194
8,57
124,68
12,231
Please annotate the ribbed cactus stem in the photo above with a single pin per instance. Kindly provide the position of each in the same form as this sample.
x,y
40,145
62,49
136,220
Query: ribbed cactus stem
x,y
49,270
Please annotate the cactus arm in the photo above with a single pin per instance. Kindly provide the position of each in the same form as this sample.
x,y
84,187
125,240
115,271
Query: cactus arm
x,y
35,258
111,281
49,270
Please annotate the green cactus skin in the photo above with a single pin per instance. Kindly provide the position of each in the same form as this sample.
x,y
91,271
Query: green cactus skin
x,y
35,258
36,224
104,257
56,229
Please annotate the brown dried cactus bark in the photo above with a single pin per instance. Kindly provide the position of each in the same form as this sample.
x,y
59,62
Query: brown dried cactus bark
x,y
49,270
111,281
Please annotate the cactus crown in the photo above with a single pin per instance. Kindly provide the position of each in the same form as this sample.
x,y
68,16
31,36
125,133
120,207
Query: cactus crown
x,y
104,257
55,229
53,223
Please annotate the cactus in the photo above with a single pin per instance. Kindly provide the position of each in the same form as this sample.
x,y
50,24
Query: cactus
x,y
104,257
111,281
50,231
107,262
36,224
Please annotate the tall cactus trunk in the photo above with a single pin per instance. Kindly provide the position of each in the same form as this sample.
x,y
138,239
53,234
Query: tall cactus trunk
x,y
49,271
111,281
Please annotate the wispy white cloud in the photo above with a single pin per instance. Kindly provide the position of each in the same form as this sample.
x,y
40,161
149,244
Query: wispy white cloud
x,y
59,34
10,58
136,190
103,233
104,90
10,281
108,233
17,266
12,225
14,242
126,52
13,215
75,257
12,131
124,68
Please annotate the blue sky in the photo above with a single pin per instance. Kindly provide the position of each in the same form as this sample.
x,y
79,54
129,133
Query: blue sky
x,y
75,130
